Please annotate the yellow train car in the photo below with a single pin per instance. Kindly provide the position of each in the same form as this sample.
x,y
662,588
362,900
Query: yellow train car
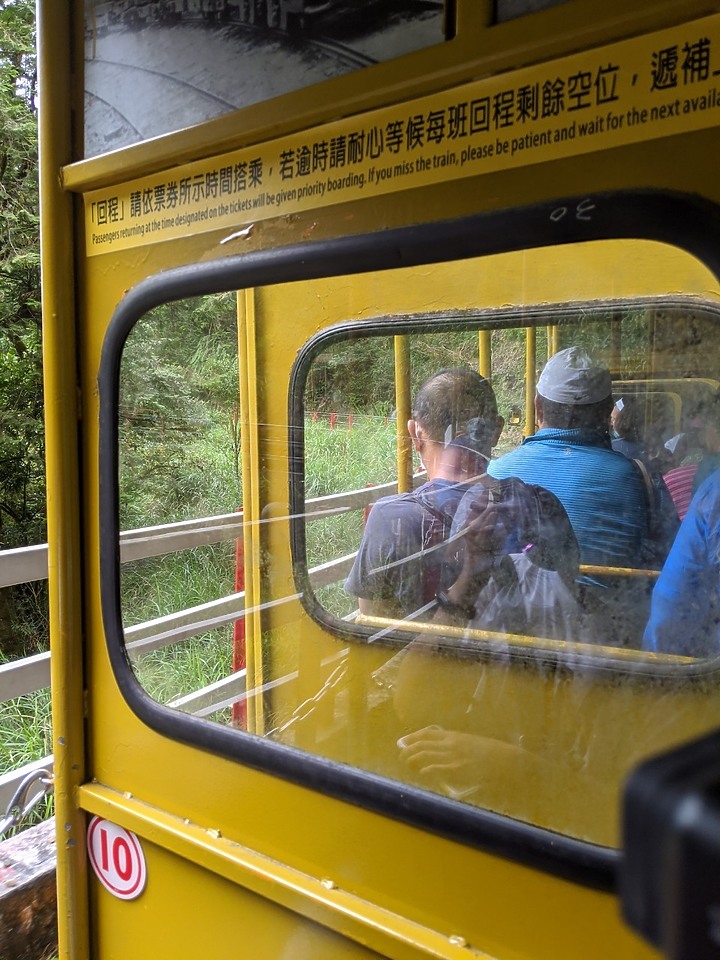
x,y
247,273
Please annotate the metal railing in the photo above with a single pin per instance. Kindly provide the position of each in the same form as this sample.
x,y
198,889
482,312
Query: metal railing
x,y
28,564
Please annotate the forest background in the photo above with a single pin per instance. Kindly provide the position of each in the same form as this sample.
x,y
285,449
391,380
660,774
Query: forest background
x,y
23,619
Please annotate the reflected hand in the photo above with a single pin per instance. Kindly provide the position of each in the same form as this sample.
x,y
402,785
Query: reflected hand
x,y
482,539
489,525
450,761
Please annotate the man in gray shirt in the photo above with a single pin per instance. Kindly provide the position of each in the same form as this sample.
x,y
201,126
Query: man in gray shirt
x,y
399,567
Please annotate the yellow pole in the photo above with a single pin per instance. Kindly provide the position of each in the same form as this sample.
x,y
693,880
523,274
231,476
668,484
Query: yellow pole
x,y
404,412
251,470
530,364
552,340
485,354
62,465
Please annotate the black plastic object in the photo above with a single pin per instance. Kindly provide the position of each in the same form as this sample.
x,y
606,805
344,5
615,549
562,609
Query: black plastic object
x,y
670,873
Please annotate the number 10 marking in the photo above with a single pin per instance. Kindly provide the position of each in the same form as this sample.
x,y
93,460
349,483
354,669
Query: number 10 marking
x,y
117,858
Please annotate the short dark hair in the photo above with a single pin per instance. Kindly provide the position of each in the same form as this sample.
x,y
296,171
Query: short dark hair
x,y
627,420
573,416
459,398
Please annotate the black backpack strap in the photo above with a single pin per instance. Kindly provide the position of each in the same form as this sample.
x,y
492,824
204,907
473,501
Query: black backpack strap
x,y
650,496
435,530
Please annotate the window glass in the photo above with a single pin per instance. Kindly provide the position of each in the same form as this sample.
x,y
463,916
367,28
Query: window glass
x,y
657,408
159,66
180,485
436,576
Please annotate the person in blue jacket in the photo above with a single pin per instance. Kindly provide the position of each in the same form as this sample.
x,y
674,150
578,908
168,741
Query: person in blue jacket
x,y
611,501
571,455
685,613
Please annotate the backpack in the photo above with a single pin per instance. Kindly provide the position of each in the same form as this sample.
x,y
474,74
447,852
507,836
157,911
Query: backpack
x,y
541,531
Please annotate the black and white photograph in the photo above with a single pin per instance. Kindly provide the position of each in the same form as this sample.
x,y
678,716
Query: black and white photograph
x,y
156,67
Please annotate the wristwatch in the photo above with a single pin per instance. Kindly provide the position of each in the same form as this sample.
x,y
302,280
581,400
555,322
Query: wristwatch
x,y
467,610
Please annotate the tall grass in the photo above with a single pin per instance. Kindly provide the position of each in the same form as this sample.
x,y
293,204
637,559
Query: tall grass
x,y
25,736
158,586
187,666
348,456
25,730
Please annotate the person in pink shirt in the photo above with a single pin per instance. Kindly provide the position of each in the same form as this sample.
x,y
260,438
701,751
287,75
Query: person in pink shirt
x,y
683,481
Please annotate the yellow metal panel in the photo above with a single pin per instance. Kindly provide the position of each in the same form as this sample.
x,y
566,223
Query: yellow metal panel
x,y
596,270
191,860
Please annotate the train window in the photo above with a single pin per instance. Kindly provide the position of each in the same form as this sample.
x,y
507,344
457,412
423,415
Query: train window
x,y
141,73
606,529
385,567
180,487
312,623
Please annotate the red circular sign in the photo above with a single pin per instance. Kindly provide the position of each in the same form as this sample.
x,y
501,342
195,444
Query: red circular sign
x,y
117,858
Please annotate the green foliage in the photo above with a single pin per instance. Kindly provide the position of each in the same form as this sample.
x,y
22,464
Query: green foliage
x,y
157,586
25,732
21,429
337,382
179,459
179,442
358,375
348,458
188,666
23,619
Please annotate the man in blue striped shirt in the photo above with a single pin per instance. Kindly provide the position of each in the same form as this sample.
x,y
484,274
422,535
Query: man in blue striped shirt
x,y
571,455
604,493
